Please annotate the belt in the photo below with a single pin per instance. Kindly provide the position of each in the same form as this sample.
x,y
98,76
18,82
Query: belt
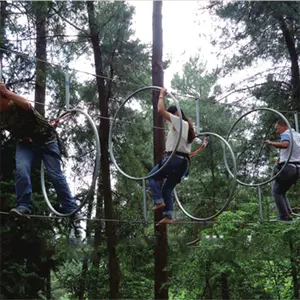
x,y
290,163
186,155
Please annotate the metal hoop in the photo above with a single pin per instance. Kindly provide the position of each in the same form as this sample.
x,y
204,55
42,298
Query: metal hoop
x,y
289,153
113,123
95,173
233,184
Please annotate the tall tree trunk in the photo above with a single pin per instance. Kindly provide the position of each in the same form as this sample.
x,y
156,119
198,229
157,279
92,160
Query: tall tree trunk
x,y
85,263
105,187
224,286
41,14
295,81
294,272
41,45
161,247
3,16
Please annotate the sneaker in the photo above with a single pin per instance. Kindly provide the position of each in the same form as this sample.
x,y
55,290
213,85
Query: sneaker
x,y
284,219
20,212
165,220
159,206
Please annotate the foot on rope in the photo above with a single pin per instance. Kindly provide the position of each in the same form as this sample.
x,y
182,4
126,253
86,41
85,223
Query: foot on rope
x,y
165,220
20,212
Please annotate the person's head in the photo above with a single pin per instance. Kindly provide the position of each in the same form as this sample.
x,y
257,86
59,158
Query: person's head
x,y
191,135
280,126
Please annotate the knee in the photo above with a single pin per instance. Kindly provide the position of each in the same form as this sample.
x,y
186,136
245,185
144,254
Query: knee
x,y
56,176
167,192
22,169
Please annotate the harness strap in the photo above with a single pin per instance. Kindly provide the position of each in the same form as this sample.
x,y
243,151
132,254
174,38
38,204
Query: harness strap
x,y
186,155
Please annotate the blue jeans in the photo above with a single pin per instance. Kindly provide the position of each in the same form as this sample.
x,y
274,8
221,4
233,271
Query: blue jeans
x,y
281,185
26,155
171,175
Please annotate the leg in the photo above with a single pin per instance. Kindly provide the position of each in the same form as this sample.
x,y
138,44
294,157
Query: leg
x,y
53,165
167,192
155,186
288,205
280,187
24,161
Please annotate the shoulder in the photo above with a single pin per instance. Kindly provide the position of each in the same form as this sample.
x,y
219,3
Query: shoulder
x,y
285,136
176,120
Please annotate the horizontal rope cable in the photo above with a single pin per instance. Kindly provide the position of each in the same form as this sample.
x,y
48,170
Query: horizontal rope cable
x,y
128,83
179,222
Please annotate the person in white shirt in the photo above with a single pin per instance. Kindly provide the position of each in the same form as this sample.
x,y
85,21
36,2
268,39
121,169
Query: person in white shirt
x,y
172,174
290,174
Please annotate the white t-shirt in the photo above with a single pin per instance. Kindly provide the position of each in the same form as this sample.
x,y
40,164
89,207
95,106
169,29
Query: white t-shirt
x,y
174,127
285,136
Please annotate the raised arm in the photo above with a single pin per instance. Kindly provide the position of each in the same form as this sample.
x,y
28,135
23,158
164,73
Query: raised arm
x,y
18,100
161,105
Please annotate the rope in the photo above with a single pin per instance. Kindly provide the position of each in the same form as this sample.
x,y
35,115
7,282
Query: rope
x,y
129,83
179,222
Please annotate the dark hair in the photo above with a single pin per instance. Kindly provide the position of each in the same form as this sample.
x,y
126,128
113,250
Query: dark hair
x,y
281,122
191,134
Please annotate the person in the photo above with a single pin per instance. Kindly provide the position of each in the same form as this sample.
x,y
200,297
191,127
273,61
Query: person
x,y
36,139
172,174
290,174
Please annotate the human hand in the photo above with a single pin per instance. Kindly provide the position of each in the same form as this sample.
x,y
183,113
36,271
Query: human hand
x,y
268,142
163,92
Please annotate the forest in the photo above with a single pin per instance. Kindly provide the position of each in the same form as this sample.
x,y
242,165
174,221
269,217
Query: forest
x,y
235,250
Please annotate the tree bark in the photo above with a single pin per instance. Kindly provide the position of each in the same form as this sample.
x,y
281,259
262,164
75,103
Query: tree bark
x,y
41,53
3,16
105,186
295,81
294,273
161,247
224,286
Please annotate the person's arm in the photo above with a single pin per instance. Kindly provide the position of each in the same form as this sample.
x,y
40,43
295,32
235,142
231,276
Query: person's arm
x,y
18,100
280,145
161,105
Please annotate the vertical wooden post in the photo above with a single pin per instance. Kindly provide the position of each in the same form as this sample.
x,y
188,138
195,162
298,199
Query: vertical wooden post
x,y
161,247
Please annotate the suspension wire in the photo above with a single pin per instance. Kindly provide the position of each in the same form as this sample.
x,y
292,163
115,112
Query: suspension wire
x,y
179,222
129,83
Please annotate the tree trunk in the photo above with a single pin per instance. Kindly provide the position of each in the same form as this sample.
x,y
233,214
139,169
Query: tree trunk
x,y
161,247
41,45
3,16
105,187
294,273
295,81
85,263
224,286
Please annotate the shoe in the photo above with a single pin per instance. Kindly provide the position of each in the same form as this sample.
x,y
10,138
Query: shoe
x,y
165,220
159,206
20,212
284,219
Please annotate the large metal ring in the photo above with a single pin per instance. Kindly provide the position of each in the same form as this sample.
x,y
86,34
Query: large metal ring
x,y
113,123
289,153
95,173
233,183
